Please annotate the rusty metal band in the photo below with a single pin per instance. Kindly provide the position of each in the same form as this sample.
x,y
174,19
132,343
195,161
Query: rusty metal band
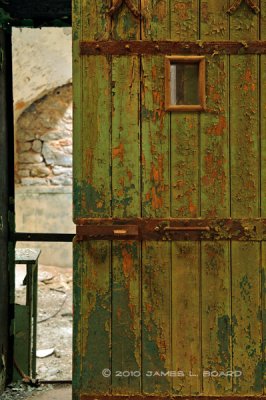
x,y
172,229
148,397
144,47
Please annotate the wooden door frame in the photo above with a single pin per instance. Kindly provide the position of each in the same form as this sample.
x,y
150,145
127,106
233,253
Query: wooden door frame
x,y
6,204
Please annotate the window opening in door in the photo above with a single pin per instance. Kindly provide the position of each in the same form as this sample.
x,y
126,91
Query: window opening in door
x,y
185,83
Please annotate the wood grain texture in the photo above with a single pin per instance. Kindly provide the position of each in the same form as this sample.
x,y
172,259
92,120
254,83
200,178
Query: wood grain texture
x,y
185,203
159,306
156,303
126,291
92,193
245,200
215,201
263,187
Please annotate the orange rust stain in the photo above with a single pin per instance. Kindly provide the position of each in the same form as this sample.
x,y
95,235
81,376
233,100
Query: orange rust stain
x,y
147,196
99,204
192,209
129,174
153,72
153,149
120,193
180,184
149,308
157,202
157,172
154,173
20,105
127,262
160,10
219,128
181,9
122,181
156,96
119,152
213,94
119,313
132,308
248,75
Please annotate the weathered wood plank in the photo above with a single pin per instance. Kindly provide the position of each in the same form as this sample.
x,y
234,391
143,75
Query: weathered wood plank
x,y
93,333
215,201
244,24
126,316
156,325
125,203
263,313
263,186
156,293
185,203
125,137
245,173
92,194
246,318
184,20
186,318
244,136
214,20
126,291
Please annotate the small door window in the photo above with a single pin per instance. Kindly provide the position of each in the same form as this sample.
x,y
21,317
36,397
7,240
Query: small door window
x,y
185,83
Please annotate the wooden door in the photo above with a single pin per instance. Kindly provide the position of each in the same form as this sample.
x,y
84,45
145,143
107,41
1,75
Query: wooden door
x,y
169,257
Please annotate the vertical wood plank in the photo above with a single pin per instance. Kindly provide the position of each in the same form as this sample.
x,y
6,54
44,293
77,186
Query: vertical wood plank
x,y
95,315
92,122
246,318
245,202
185,203
156,297
156,261
77,177
126,292
126,203
263,185
263,314
215,202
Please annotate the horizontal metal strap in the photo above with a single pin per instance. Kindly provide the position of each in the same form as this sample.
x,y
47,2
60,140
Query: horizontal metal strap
x,y
172,229
167,47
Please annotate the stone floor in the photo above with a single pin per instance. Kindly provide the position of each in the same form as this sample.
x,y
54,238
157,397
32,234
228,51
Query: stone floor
x,y
57,393
43,392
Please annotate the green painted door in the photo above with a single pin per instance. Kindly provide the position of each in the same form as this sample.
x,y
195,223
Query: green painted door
x,y
170,255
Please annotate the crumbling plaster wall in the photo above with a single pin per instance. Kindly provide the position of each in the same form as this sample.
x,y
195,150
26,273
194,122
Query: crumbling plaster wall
x,y
42,62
